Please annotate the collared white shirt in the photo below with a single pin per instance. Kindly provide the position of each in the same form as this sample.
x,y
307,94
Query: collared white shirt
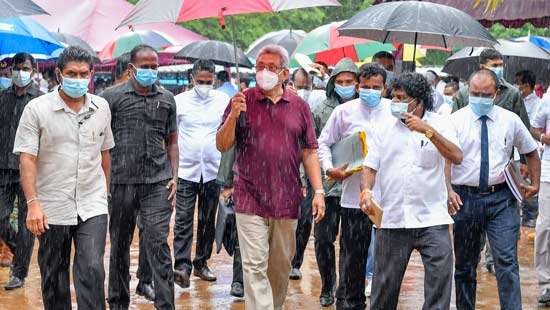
x,y
198,120
542,122
505,131
532,104
346,119
70,181
316,96
410,173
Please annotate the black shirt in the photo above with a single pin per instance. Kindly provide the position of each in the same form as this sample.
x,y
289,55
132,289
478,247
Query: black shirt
x,y
140,127
11,108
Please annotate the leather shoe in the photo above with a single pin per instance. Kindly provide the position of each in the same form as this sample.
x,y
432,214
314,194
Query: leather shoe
x,y
326,300
237,290
295,274
181,278
491,269
529,223
146,290
14,283
205,274
544,298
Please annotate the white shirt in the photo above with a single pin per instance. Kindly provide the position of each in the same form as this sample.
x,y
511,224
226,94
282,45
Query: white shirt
x,y
532,103
542,121
347,119
316,96
410,173
198,120
505,131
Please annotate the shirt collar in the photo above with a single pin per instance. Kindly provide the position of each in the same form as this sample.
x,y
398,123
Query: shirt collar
x,y
491,115
32,90
261,97
530,97
59,103
128,87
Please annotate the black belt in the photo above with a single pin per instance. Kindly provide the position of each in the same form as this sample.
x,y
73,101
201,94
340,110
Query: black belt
x,y
476,190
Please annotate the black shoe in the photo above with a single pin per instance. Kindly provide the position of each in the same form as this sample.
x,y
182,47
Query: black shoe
x,y
146,290
118,307
205,274
237,290
544,298
491,269
295,274
14,283
326,300
529,223
181,278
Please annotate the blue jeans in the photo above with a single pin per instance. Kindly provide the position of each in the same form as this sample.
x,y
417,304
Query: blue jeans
x,y
497,215
530,208
370,258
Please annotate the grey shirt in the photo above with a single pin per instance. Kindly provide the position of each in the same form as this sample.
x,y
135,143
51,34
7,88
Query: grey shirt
x,y
68,145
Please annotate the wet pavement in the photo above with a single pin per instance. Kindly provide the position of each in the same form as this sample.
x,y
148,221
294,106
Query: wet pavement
x,y
302,294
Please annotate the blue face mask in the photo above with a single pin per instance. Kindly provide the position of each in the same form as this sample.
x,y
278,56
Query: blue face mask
x,y
370,97
499,71
480,105
448,100
399,108
21,78
75,88
146,77
5,83
345,92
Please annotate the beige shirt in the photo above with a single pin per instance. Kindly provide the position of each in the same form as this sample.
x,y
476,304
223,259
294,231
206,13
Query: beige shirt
x,y
71,183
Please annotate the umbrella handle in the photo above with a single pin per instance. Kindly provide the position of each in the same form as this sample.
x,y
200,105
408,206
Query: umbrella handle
x,y
242,116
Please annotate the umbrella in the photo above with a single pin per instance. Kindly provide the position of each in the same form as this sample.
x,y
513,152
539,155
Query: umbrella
x,y
541,42
417,22
14,8
510,13
22,34
517,56
325,44
222,53
126,42
226,227
289,39
70,40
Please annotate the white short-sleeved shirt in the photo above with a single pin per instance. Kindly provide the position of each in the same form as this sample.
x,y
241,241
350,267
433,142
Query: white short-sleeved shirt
x,y
542,121
505,131
346,119
198,120
70,181
410,173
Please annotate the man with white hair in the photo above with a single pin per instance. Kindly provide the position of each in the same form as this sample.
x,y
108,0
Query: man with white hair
x,y
277,136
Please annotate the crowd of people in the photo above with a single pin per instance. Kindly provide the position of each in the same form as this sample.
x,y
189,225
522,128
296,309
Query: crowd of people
x,y
78,165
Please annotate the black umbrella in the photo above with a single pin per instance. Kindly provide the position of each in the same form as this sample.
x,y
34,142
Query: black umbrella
x,y
71,40
14,8
222,53
517,56
289,39
417,22
226,227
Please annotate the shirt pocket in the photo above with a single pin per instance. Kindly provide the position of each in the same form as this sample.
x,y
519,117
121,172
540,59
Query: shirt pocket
x,y
428,156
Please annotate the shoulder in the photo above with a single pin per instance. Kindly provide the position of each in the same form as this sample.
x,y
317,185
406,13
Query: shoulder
x,y
113,90
183,96
99,101
506,116
509,89
219,95
42,104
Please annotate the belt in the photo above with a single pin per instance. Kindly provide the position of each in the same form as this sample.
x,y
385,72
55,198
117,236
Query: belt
x,y
476,191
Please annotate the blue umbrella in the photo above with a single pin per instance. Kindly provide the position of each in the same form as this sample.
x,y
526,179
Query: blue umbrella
x,y
23,34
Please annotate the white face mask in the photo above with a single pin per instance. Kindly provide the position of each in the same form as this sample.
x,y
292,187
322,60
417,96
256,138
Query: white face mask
x,y
21,78
304,93
203,90
267,79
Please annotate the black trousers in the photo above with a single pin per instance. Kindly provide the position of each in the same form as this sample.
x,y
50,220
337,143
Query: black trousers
x,y
144,272
54,257
303,230
325,235
355,233
150,201
237,266
22,242
208,196
392,254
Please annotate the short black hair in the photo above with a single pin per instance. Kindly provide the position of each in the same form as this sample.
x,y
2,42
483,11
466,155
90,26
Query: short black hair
x,y
367,71
122,62
451,78
453,85
415,86
485,73
299,70
245,81
222,76
489,54
20,58
142,47
526,77
204,65
74,53
384,54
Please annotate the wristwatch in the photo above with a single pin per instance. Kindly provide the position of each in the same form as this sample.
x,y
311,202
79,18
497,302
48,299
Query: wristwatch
x,y
429,134
320,192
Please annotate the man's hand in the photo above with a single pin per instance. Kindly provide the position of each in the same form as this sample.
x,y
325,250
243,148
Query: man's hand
x,y
528,190
37,221
454,202
366,203
339,173
172,186
304,191
238,105
320,68
524,171
226,193
292,89
318,207
414,123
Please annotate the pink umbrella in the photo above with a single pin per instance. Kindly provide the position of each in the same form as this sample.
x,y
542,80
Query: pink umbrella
x,y
95,21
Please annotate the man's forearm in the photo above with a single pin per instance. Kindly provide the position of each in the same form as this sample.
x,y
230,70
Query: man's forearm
x,y
225,137
313,168
533,162
368,177
173,156
447,149
28,172
447,171
106,166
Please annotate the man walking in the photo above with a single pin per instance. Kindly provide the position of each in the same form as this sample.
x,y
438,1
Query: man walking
x,y
145,163
277,134
12,103
63,140
199,114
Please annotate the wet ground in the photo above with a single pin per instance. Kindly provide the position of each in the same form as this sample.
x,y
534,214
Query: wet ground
x,y
302,294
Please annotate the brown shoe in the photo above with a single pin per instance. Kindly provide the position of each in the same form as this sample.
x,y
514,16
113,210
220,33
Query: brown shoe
x,y
181,278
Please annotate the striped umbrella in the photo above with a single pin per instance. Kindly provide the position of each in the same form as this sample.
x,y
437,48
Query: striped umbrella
x,y
128,41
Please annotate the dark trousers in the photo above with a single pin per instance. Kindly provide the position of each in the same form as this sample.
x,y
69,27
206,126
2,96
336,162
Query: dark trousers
x,y
237,265
392,254
150,201
144,272
530,208
208,197
355,234
22,242
54,257
325,236
303,229
497,215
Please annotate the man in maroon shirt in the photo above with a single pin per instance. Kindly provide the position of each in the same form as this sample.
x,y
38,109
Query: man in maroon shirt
x,y
277,136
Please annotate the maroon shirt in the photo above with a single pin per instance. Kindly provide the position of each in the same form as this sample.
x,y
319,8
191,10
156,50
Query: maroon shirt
x,y
268,154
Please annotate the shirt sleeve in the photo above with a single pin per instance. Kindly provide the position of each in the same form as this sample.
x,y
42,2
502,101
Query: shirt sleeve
x,y
309,137
539,121
172,125
226,113
523,140
108,140
373,155
447,130
329,136
27,138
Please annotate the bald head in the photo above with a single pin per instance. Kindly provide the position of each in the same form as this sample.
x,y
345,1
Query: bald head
x,y
483,83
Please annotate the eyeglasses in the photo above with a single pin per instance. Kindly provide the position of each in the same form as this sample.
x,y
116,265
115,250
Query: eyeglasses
x,y
271,68
199,82
482,95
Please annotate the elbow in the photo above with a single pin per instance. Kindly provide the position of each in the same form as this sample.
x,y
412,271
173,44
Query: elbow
x,y
458,157
221,146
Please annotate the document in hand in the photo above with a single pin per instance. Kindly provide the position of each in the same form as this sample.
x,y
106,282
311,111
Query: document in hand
x,y
351,150
376,218
514,179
